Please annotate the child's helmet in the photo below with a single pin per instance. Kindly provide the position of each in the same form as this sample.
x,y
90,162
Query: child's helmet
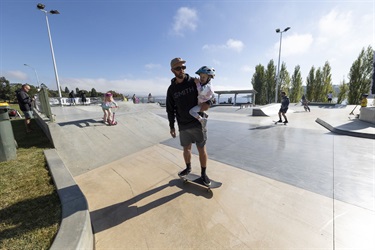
x,y
206,70
108,94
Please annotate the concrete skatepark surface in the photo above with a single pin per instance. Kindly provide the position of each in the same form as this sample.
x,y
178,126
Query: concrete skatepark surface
x,y
297,186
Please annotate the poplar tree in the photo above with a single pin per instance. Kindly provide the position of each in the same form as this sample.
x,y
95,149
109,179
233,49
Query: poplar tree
x,y
343,92
284,84
318,86
310,82
360,76
258,84
296,85
270,82
326,81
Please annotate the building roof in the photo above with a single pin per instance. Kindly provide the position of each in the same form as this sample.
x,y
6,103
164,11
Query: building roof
x,y
244,91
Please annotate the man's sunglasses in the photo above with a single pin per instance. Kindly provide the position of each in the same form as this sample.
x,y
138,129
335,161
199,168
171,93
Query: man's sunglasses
x,y
179,68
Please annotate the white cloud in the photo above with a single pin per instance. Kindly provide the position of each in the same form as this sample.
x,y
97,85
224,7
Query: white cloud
x,y
335,24
294,44
247,68
17,75
216,62
231,44
297,44
235,45
152,66
185,19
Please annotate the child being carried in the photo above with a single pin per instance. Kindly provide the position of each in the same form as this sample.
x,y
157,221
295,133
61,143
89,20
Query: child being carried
x,y
205,94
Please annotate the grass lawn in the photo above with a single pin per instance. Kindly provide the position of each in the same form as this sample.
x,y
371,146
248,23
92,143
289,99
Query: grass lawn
x,y
30,209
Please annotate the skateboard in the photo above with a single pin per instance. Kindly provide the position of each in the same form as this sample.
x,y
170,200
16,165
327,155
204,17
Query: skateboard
x,y
276,122
193,178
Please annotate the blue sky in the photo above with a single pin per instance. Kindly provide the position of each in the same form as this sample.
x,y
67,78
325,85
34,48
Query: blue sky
x,y
127,46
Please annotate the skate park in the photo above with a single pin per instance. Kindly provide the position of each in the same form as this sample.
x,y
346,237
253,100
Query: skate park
x,y
297,186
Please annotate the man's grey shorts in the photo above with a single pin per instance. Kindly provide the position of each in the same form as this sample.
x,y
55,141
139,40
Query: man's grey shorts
x,y
28,114
193,135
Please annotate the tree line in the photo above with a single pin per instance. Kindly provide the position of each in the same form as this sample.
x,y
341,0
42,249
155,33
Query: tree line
x,y
318,81
8,91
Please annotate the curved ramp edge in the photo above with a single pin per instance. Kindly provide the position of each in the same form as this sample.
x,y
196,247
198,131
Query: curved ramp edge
x,y
344,132
75,230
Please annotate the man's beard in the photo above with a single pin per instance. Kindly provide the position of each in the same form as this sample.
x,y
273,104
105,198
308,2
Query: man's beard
x,y
180,76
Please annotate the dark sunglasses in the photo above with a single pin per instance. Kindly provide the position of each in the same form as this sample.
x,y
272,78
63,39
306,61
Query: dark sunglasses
x,y
179,68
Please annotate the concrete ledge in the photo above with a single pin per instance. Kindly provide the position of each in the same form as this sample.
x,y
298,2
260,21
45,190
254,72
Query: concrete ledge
x,y
367,114
268,110
322,104
75,231
43,124
344,132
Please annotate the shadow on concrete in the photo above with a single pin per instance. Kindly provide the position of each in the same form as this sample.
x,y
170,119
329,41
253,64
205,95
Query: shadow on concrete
x,y
83,123
263,127
116,214
300,111
347,129
355,124
332,106
24,214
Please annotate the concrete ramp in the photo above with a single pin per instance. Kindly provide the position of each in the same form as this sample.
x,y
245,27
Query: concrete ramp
x,y
269,200
138,202
79,134
268,110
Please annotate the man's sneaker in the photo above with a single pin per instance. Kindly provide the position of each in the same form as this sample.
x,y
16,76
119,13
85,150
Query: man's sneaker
x,y
279,121
206,180
184,172
285,122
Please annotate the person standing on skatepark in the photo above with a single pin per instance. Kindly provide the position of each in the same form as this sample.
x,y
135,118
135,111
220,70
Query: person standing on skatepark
x,y
284,107
107,104
181,97
25,104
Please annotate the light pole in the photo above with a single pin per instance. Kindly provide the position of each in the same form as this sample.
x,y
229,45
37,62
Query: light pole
x,y
36,74
41,8
278,65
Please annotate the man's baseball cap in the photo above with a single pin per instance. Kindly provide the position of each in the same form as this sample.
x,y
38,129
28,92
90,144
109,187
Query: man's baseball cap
x,y
176,61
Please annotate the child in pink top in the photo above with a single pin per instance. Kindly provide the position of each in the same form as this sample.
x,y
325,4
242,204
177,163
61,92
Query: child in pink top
x,y
106,107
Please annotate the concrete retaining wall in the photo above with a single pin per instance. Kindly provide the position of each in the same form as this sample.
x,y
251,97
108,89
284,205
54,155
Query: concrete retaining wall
x,y
368,114
75,230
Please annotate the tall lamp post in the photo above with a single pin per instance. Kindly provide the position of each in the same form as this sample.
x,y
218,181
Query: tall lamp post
x,y
36,74
41,8
278,65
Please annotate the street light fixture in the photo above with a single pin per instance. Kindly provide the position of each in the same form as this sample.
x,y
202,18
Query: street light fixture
x,y
41,8
36,74
278,65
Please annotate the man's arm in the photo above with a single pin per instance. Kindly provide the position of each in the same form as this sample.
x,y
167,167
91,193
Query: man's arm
x,y
171,112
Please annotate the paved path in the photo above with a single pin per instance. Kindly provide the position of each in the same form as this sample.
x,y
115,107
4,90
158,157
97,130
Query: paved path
x,y
297,186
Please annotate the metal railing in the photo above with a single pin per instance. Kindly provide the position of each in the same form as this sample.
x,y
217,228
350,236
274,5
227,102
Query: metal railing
x,y
42,104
